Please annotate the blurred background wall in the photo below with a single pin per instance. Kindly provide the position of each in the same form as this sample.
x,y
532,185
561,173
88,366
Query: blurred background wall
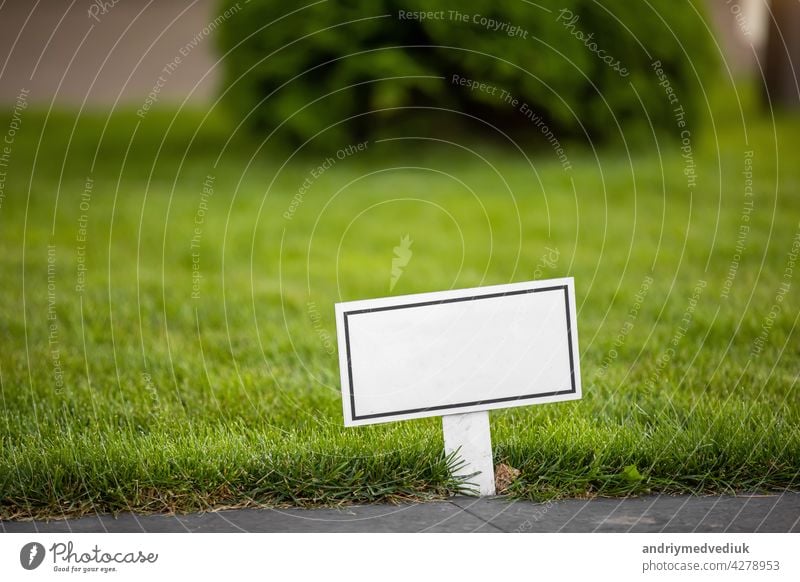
x,y
69,51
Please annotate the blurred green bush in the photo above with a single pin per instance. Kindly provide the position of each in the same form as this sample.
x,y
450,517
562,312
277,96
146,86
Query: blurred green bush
x,y
347,70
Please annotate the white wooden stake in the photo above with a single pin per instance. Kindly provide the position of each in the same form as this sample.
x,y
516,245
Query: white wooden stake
x,y
468,433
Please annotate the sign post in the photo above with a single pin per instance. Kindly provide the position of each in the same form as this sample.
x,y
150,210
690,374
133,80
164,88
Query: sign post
x,y
458,354
468,436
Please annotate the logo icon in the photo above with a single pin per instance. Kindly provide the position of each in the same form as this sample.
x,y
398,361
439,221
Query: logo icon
x,y
402,255
31,555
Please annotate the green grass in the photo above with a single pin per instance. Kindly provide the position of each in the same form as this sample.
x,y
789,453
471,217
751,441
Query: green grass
x,y
170,402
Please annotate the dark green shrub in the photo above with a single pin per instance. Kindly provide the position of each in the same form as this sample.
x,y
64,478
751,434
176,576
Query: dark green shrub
x,y
343,69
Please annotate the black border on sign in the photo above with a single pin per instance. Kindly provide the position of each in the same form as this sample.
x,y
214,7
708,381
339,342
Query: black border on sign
x,y
346,314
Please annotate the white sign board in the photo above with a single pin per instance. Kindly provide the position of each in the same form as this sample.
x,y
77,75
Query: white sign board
x,y
458,351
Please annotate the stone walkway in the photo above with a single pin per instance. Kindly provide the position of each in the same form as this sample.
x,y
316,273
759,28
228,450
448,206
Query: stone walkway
x,y
757,513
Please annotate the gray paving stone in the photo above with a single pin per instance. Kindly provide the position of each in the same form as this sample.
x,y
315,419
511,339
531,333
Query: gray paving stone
x,y
434,517
664,513
772,513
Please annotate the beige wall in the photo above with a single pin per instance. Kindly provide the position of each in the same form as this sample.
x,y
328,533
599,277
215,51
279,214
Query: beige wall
x,y
98,58
741,29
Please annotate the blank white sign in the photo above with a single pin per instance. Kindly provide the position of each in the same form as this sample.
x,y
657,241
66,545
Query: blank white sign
x,y
458,351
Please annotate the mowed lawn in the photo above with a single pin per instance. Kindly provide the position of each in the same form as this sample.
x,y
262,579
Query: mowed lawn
x,y
167,330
